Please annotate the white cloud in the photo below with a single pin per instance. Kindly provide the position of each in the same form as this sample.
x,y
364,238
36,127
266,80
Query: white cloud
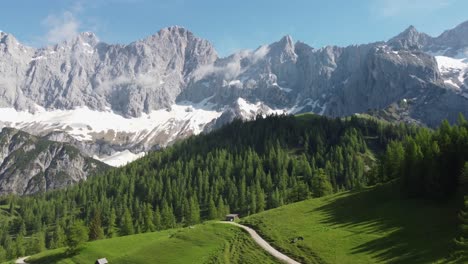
x,y
260,53
393,8
66,24
232,68
61,27
228,71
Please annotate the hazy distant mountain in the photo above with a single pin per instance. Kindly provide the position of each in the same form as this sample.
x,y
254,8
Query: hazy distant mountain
x,y
171,85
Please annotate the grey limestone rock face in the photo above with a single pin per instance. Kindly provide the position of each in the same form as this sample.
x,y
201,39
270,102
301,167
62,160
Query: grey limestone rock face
x,y
129,79
29,164
174,66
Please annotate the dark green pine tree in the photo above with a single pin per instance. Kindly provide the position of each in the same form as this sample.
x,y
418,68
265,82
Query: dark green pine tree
x,y
37,243
252,203
221,208
126,227
168,219
212,211
58,237
185,211
111,229
76,236
194,215
22,230
157,220
95,226
321,185
260,197
19,242
148,218
10,248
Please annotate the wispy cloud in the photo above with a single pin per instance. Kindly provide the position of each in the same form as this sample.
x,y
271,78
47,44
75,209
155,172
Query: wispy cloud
x,y
395,8
61,27
66,24
233,67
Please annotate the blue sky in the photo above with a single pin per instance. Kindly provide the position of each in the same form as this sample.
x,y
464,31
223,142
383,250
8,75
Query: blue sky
x,y
229,25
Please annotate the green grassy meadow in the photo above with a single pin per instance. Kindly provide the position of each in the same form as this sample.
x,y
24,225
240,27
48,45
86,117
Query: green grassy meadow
x,y
368,226
205,243
373,225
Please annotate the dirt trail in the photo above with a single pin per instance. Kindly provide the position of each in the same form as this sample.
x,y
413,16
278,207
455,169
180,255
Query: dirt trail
x,y
21,260
261,242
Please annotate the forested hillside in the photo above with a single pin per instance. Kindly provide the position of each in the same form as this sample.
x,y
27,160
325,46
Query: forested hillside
x,y
244,167
430,163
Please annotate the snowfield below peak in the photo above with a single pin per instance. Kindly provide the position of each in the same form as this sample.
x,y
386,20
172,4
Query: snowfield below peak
x,y
120,158
158,128
249,110
454,70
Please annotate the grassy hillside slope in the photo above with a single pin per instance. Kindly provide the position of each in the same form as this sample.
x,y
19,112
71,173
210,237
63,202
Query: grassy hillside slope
x,y
368,226
205,243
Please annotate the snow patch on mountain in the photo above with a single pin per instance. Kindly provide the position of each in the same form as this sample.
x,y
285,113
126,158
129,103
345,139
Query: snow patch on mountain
x,y
250,111
453,70
160,127
119,159
447,64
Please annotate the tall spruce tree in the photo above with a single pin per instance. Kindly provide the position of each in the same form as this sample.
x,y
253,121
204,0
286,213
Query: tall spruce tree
x,y
58,236
148,219
212,211
77,235
95,227
321,185
194,212
126,227
111,229
167,216
157,220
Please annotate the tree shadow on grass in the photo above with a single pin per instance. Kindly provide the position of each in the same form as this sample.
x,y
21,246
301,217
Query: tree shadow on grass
x,y
405,230
53,258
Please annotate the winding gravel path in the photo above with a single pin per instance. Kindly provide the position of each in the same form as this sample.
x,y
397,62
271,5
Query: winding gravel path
x,y
261,242
21,260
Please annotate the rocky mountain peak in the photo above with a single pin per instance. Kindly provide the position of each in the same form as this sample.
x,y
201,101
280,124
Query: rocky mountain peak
x,y
411,30
456,37
172,34
10,47
88,37
410,38
283,50
83,42
287,41
8,39
179,38
175,30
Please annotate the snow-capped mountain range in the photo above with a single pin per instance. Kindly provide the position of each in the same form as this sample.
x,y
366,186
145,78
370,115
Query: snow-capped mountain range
x,y
115,102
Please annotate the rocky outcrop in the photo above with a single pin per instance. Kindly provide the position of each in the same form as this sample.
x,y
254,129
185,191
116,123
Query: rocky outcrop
x,y
29,164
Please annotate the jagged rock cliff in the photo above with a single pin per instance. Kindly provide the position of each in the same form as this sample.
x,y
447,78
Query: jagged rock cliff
x,y
29,164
